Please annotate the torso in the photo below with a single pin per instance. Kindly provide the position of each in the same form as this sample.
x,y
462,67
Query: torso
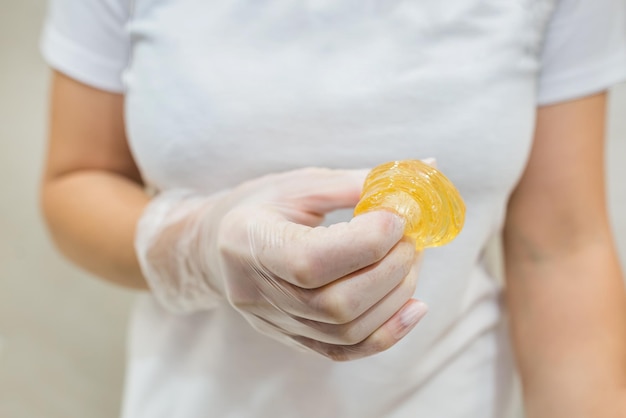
x,y
223,91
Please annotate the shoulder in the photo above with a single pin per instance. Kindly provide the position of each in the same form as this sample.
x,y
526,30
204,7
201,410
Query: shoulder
x,y
88,41
584,49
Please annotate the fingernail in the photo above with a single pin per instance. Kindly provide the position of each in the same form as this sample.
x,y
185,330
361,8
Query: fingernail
x,y
430,161
409,317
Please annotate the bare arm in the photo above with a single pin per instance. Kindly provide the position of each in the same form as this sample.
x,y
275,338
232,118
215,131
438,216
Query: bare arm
x,y
92,194
564,284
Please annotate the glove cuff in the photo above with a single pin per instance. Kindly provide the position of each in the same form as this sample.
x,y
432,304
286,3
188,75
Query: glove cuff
x,y
168,237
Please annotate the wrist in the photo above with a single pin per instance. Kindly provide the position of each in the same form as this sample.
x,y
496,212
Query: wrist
x,y
171,244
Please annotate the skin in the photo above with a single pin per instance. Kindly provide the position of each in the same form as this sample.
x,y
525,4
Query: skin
x,y
88,156
564,286
565,290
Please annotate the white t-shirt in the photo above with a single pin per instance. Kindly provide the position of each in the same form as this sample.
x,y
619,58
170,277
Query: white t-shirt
x,y
221,91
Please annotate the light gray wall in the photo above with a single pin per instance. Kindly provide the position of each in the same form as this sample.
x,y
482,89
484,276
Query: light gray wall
x,y
61,331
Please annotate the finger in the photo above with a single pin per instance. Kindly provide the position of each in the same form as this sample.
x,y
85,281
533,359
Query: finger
x,y
360,328
346,299
328,190
380,340
313,257
304,196
343,334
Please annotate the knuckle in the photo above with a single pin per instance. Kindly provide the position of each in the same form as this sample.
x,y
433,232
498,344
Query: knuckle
x,y
337,307
401,260
352,337
377,343
377,244
372,245
348,335
405,275
303,269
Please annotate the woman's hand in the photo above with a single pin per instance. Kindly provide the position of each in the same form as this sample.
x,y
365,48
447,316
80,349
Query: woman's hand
x,y
344,291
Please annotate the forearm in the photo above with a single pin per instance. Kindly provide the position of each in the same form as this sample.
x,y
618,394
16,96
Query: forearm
x,y
92,215
568,324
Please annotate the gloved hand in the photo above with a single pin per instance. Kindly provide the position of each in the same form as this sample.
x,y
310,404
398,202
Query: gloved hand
x,y
344,291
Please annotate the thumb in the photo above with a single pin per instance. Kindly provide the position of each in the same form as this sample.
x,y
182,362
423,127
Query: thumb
x,y
307,195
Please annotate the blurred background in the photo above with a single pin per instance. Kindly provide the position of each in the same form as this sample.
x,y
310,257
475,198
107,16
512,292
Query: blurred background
x,y
62,332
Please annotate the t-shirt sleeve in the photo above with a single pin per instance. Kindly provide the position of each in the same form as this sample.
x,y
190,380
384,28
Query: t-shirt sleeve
x,y
584,51
87,40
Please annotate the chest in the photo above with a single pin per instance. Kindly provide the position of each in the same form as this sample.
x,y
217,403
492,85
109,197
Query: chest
x,y
222,91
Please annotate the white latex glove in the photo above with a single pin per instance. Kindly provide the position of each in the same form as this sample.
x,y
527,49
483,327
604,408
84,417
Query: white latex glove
x,y
344,291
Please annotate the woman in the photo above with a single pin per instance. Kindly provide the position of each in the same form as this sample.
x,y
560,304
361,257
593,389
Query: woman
x,y
223,107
